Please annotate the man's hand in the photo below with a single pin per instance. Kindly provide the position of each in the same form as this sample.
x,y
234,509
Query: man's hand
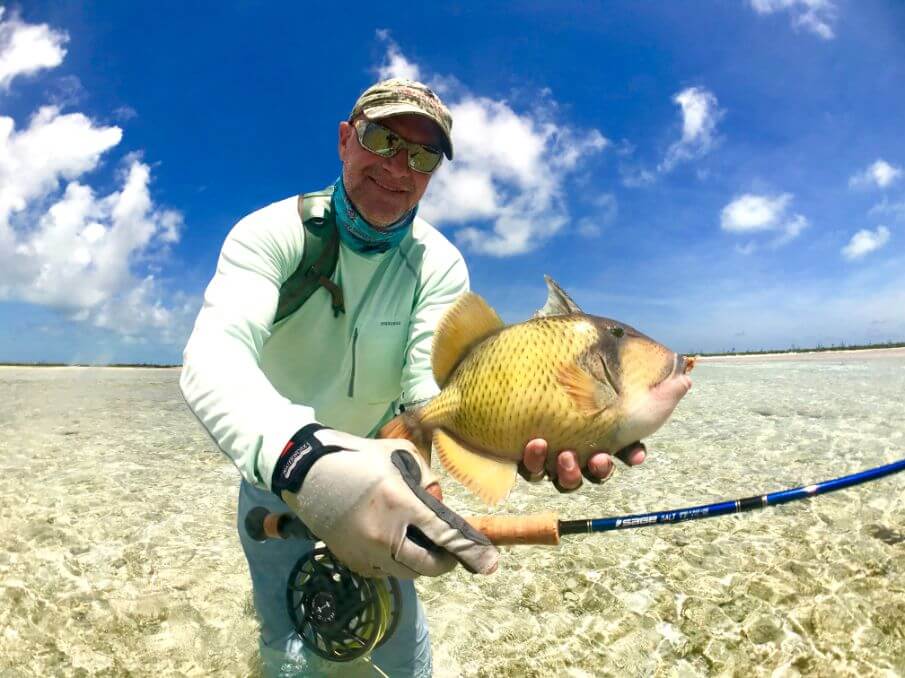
x,y
568,475
371,502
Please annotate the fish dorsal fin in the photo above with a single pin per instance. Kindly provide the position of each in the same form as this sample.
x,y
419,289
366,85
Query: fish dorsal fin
x,y
490,478
558,302
465,324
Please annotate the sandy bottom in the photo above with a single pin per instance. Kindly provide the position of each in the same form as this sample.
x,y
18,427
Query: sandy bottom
x,y
116,518
120,555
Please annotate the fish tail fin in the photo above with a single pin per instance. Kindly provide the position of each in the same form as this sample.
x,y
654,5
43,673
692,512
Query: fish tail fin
x,y
408,427
418,425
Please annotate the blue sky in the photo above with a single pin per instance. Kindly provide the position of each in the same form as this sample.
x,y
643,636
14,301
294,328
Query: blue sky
x,y
720,174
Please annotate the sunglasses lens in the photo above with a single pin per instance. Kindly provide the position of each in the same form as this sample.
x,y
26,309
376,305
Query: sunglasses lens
x,y
424,160
384,142
379,140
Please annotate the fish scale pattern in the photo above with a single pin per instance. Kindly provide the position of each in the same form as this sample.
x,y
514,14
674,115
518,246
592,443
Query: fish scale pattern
x,y
505,391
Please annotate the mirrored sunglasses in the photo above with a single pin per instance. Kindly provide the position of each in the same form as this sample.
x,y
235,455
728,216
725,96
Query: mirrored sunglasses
x,y
386,143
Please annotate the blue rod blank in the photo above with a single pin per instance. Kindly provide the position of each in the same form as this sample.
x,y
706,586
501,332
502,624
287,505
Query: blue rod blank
x,y
727,507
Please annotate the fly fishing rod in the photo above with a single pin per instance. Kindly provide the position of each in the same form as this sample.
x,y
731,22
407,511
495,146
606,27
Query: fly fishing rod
x,y
342,616
727,507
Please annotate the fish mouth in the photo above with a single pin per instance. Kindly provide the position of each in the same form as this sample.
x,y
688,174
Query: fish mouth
x,y
684,364
645,413
678,382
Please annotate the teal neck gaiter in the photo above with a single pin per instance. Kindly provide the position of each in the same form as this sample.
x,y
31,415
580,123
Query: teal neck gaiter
x,y
357,233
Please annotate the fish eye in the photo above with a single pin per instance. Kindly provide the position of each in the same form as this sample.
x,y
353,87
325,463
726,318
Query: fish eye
x,y
617,332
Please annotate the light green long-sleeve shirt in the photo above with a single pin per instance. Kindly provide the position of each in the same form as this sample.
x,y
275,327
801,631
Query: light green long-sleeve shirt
x,y
253,384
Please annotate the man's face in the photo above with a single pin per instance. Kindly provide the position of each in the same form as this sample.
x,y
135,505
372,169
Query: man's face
x,y
383,189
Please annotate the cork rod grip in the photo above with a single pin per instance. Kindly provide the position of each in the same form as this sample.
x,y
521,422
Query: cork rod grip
x,y
539,528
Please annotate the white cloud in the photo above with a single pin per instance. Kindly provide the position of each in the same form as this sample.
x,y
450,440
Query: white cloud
x,y
754,213
624,148
64,246
51,148
700,114
635,177
588,227
395,64
124,113
141,309
78,256
896,209
791,229
865,241
816,16
880,174
510,167
27,48
606,208
751,213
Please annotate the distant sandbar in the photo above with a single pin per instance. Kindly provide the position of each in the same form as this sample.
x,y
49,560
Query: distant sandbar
x,y
56,366
840,354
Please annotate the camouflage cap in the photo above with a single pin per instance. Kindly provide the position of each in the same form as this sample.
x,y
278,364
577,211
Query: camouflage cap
x,y
400,95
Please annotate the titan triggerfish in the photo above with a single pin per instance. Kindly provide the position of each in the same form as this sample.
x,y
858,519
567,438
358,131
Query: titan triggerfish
x,y
582,382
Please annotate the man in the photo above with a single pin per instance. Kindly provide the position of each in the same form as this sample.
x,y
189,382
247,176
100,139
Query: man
x,y
294,402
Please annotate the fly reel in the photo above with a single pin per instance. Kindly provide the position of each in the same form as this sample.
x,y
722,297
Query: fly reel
x,y
338,614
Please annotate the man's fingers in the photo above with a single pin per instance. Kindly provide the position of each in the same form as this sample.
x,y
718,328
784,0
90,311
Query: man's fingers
x,y
452,536
534,459
435,491
424,561
633,454
600,467
568,473
434,531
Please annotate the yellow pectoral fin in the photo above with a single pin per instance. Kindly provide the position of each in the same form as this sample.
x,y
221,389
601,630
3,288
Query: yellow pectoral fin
x,y
582,388
488,477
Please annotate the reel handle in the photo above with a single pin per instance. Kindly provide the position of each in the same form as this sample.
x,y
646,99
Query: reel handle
x,y
261,525
538,528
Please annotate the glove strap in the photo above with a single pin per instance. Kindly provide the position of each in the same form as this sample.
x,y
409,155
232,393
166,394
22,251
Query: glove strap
x,y
297,458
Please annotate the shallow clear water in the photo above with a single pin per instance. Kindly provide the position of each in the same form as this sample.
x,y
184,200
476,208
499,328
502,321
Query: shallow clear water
x,y
119,553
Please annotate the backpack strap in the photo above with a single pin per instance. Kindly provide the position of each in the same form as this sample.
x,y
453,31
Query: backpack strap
x,y
318,260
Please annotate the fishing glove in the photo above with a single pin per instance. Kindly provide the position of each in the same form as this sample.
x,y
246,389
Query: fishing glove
x,y
366,500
